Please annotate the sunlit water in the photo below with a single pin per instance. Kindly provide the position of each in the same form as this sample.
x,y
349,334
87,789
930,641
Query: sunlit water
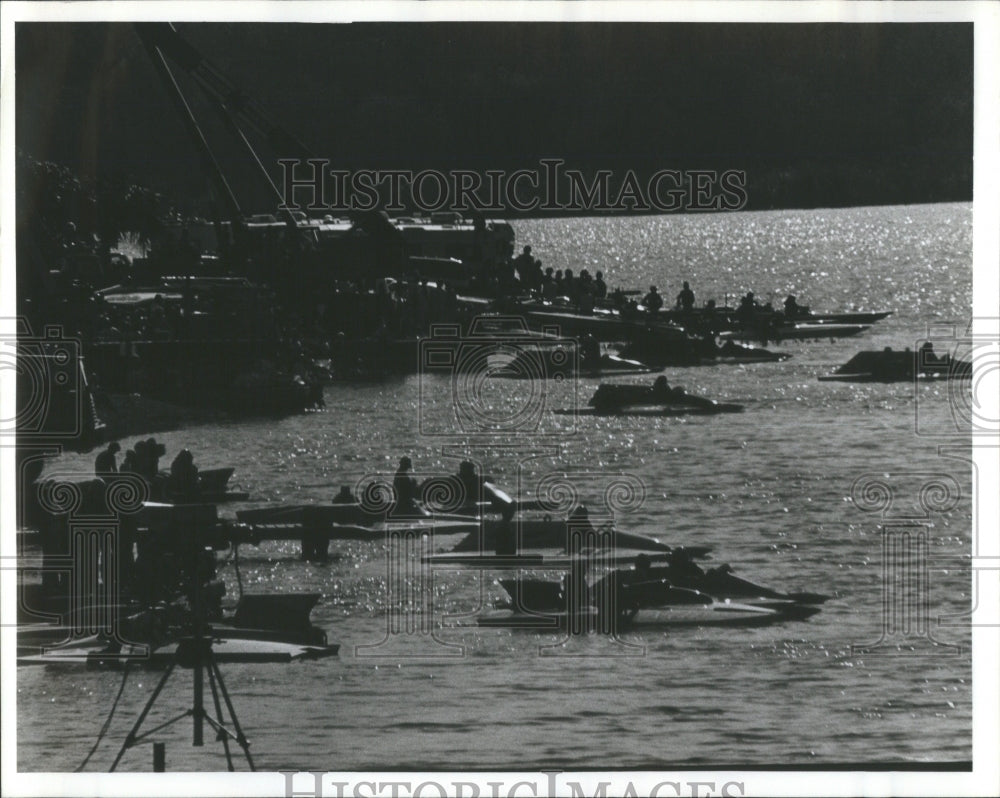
x,y
769,489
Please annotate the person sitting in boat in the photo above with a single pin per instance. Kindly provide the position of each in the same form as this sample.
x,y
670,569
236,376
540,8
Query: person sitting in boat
x,y
600,287
105,464
927,356
147,458
583,535
405,487
617,595
128,463
529,270
183,481
792,308
471,482
571,286
653,302
747,310
643,567
662,390
506,536
681,564
590,352
685,299
550,289
141,460
345,496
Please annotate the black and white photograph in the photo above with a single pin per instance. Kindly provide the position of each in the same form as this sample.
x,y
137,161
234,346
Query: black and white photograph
x,y
500,399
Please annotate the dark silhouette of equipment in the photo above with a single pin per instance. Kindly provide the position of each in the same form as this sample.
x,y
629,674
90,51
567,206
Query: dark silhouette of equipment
x,y
195,652
162,42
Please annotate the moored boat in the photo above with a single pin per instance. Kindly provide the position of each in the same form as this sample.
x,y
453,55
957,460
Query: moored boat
x,y
896,366
616,398
792,331
263,628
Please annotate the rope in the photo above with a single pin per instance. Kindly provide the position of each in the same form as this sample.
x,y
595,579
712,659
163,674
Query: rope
x,y
107,723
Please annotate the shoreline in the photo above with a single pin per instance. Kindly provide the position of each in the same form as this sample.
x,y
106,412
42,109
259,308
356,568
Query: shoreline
x,y
133,415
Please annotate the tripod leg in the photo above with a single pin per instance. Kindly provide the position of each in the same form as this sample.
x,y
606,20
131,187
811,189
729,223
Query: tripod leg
x,y
240,738
218,714
199,705
130,738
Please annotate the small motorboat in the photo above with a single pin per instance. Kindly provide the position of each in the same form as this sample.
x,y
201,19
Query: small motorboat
x,y
263,628
904,366
551,362
625,599
793,331
658,399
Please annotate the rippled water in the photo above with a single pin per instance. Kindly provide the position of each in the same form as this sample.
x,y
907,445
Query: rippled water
x,y
770,489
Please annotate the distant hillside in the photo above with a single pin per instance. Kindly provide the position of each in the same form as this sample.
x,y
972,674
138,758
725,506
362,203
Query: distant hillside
x,y
816,115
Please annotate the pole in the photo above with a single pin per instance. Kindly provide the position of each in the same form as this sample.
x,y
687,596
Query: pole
x,y
159,757
199,705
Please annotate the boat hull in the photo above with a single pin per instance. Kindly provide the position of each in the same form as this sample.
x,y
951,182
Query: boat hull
x,y
669,411
716,613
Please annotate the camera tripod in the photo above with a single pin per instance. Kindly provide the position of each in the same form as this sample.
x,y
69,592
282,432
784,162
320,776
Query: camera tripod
x,y
196,653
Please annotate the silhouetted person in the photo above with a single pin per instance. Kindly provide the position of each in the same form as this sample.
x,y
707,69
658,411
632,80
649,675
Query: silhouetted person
x,y
747,310
183,479
653,301
685,299
590,352
472,483
600,287
560,283
528,269
549,288
345,496
506,537
791,306
404,487
154,451
128,463
682,565
105,464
